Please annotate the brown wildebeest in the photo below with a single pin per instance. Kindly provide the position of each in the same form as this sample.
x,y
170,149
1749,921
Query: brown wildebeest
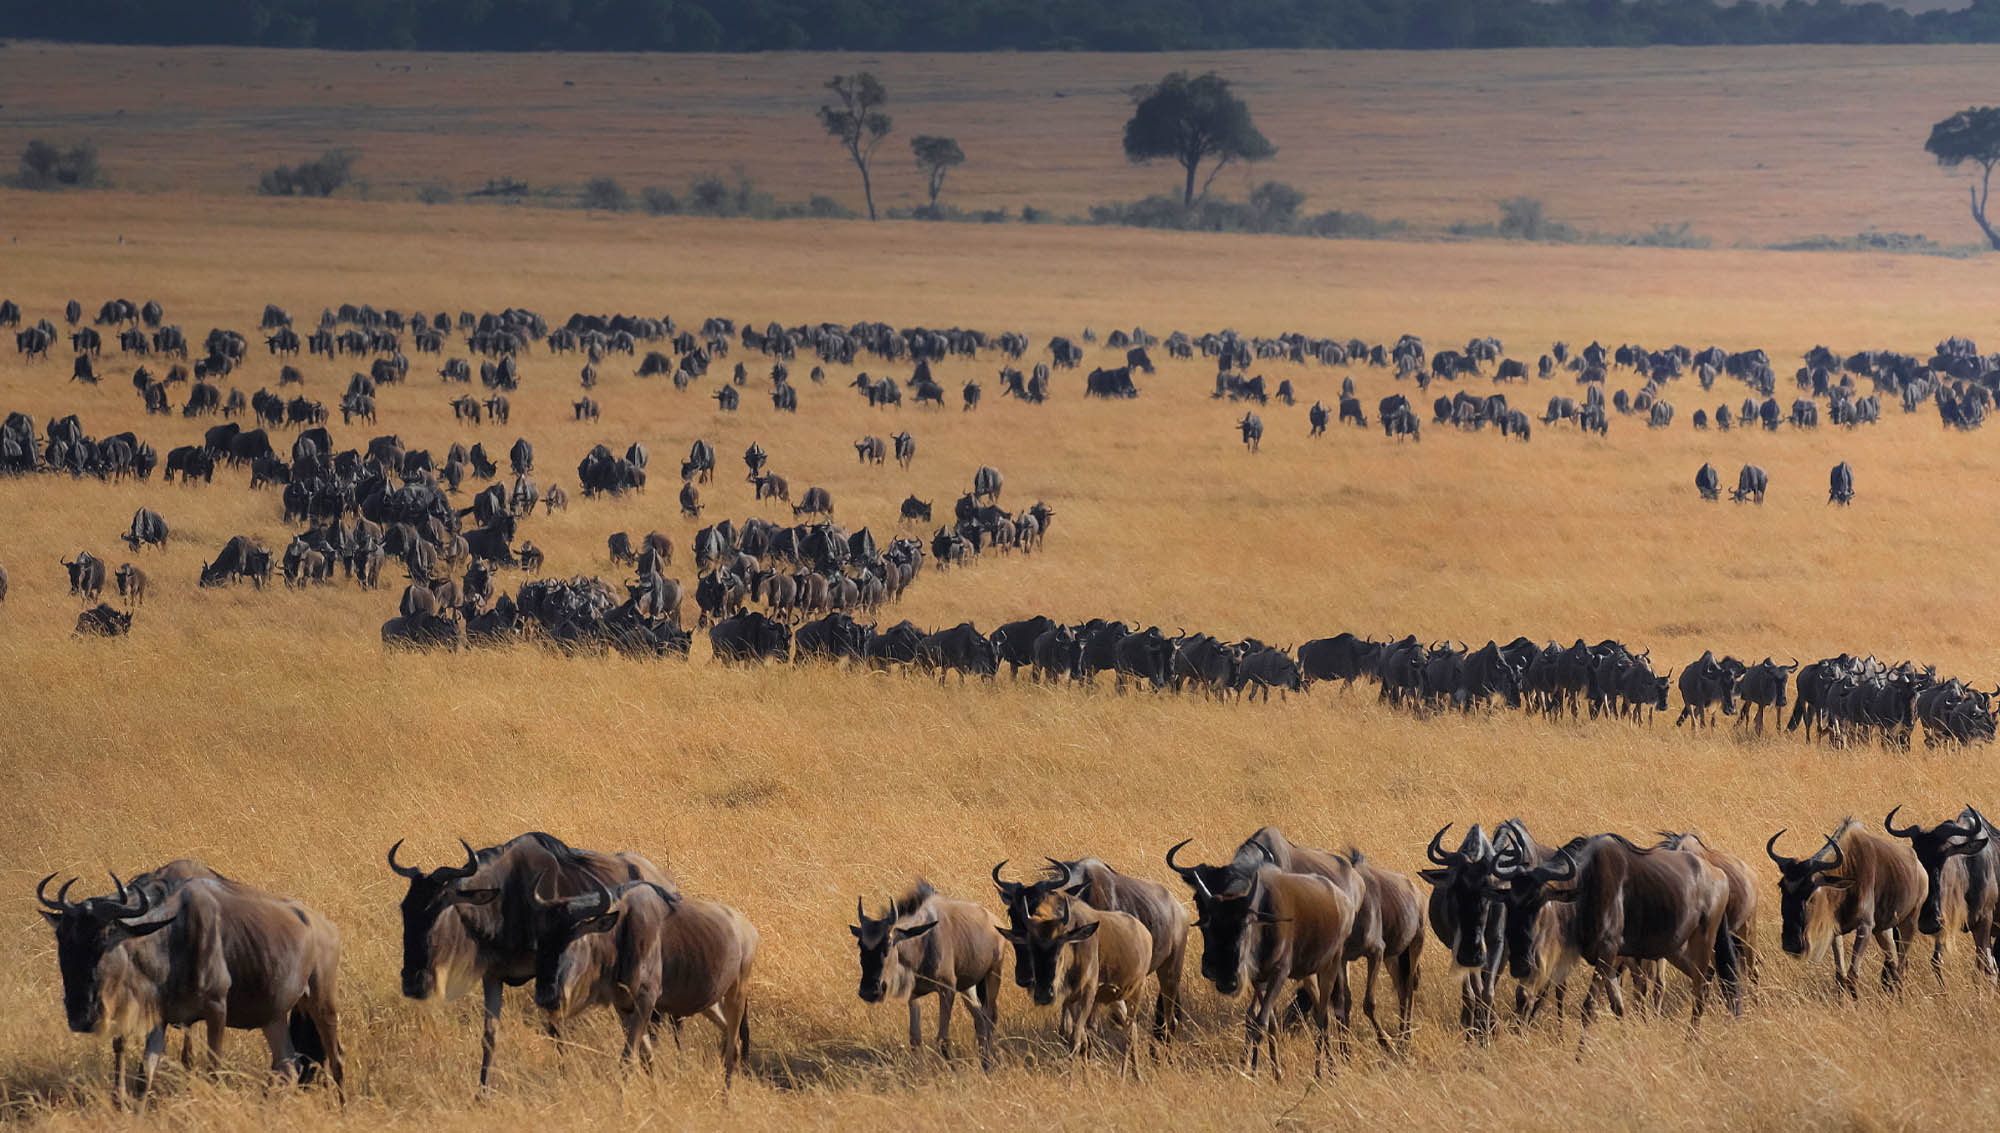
x,y
531,558
1388,925
473,923
1110,957
925,944
870,450
690,500
1856,883
647,953
1269,928
1632,904
1742,915
235,958
1959,858
1101,887
132,584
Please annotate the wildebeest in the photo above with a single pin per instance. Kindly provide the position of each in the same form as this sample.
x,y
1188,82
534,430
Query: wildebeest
x,y
474,923
1961,861
1750,484
987,483
1109,954
926,944
1857,883
131,584
648,953
870,450
146,528
86,575
1704,683
103,621
750,636
183,945
916,509
1252,428
1707,482
1840,485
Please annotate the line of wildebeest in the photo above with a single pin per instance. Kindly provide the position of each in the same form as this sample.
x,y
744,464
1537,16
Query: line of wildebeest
x,y
182,944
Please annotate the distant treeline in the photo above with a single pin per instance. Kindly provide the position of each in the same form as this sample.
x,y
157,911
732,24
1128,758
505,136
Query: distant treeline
x,y
979,25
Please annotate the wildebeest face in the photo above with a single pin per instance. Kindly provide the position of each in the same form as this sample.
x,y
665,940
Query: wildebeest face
x,y
560,926
1934,849
434,936
884,969
1225,921
86,932
1041,946
1023,902
1798,881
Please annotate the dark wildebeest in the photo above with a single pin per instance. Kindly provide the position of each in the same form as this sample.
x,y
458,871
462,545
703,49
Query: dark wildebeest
x,y
870,450
1750,484
86,575
906,448
914,508
987,483
925,944
1632,904
1840,485
147,528
1707,482
1343,657
1317,417
690,500
103,621
1962,862
1266,927
234,958
475,922
648,953
1859,884
1470,921
132,584
619,547
1704,683
1763,685
1252,428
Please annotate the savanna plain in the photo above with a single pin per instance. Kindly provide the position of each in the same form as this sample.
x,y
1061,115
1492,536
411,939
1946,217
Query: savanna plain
x,y
270,734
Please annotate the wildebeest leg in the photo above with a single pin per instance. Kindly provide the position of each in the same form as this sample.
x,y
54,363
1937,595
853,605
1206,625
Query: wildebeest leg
x,y
916,1025
1335,992
118,1071
215,1020
1128,1014
284,1060
1405,973
149,1063
946,997
985,1017
490,989
1167,1009
1368,1005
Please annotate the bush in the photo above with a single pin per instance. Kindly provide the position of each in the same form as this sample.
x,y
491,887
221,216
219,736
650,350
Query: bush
x,y
43,166
435,195
1032,215
1276,205
504,187
822,207
605,194
658,201
320,178
1350,225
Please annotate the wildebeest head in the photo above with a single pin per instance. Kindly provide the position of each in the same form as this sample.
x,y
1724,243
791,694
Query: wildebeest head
x,y
1522,890
86,932
1023,902
560,968
1464,888
887,968
1798,880
1934,848
433,941
1225,908
1038,948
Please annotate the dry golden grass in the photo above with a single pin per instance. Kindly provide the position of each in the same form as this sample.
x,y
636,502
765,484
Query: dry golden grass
x,y
1756,144
271,735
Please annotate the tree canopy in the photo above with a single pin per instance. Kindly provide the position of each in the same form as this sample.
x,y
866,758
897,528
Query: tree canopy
x,y
936,156
858,123
1971,135
1193,121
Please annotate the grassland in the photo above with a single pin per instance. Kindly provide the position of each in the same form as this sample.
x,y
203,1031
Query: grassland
x,y
270,734
1756,145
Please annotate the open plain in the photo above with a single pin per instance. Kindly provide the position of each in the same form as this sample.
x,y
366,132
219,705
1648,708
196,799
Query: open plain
x,y
270,734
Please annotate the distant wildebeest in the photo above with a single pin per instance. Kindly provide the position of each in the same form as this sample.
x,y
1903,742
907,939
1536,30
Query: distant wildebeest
x,y
146,528
926,944
86,575
1707,482
1840,485
870,450
1252,429
131,584
103,621
1750,484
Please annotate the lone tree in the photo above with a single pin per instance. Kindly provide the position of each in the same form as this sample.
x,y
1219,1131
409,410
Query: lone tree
x,y
858,122
936,156
1193,121
1971,135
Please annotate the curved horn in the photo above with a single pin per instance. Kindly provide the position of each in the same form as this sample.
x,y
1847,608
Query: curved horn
x,y
41,894
1435,850
1889,824
1186,872
1770,848
470,867
125,909
1838,857
1001,885
402,870
1062,868
123,897
860,913
1268,855
1568,864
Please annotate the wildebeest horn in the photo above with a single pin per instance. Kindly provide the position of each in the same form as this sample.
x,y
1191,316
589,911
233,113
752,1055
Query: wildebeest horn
x,y
1268,855
1062,868
120,886
1838,857
1568,863
41,894
125,908
1889,824
1435,850
1187,873
1771,848
402,870
1006,887
471,865
860,912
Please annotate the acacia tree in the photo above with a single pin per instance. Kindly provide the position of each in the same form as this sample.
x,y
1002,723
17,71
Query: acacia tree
x,y
1193,121
936,156
858,123
1973,135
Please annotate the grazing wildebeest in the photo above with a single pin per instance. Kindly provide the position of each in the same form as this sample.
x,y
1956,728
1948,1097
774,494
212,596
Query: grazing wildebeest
x,y
619,547
475,923
1268,927
870,450
1707,482
987,483
926,944
648,953
146,528
1343,658
1750,484
234,958
1840,485
1859,884
1962,862
916,509
690,500
1317,418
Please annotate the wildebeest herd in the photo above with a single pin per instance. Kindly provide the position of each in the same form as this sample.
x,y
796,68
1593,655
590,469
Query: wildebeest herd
x,y
184,945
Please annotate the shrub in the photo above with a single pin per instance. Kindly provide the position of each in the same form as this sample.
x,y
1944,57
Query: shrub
x,y
1335,223
435,195
1032,215
606,194
506,187
658,201
43,166
1276,205
823,207
319,178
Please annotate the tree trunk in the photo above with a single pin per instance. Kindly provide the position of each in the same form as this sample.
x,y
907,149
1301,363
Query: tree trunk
x,y
1187,193
867,191
1980,194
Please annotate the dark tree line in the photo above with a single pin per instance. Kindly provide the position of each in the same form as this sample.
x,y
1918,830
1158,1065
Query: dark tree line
x,y
974,25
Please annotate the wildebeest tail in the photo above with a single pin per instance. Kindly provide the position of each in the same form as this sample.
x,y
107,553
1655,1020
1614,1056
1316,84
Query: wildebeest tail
x,y
310,1052
743,1033
1728,965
